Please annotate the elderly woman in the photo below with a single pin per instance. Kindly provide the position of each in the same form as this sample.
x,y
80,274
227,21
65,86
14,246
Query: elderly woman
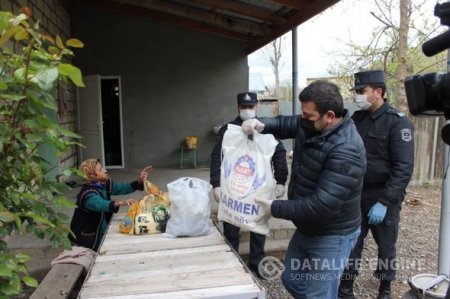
x,y
94,205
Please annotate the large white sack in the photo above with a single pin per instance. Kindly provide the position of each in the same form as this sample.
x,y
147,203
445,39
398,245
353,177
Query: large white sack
x,y
190,208
246,174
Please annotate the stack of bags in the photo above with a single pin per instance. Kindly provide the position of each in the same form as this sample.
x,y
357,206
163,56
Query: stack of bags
x,y
148,216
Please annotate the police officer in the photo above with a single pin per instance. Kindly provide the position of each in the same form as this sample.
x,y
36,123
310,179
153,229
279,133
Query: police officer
x,y
388,138
247,103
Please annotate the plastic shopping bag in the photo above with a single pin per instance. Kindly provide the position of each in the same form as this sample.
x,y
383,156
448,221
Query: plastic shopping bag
x,y
190,208
149,215
246,174
127,224
152,215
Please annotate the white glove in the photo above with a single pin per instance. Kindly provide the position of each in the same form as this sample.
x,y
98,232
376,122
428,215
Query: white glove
x,y
279,191
217,194
251,125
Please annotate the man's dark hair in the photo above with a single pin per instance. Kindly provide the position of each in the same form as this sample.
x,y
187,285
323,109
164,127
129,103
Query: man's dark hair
x,y
325,95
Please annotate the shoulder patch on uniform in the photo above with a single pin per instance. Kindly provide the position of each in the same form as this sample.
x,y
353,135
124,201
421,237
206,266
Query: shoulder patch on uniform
x,y
406,135
398,113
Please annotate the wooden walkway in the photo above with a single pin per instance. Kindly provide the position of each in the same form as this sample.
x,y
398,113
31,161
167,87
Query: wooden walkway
x,y
152,266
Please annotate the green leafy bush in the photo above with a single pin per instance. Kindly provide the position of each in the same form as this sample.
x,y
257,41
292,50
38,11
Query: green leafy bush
x,y
31,66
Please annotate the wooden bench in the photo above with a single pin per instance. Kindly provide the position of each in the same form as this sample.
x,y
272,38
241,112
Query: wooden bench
x,y
59,282
155,267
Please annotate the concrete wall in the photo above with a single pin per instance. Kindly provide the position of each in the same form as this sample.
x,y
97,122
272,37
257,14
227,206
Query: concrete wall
x,y
175,82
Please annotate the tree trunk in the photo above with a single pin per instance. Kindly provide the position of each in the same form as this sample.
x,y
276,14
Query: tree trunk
x,y
405,7
274,57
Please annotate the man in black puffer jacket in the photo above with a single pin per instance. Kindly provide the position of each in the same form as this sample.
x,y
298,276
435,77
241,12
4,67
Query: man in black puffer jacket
x,y
324,192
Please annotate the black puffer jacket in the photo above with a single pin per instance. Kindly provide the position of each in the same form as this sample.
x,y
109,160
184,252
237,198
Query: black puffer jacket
x,y
279,162
327,176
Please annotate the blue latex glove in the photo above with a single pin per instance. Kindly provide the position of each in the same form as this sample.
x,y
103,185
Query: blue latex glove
x,y
377,213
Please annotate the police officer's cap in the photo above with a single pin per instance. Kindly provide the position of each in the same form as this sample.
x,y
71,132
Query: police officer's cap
x,y
366,78
247,98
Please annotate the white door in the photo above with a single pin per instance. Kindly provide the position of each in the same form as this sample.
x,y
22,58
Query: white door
x,y
90,121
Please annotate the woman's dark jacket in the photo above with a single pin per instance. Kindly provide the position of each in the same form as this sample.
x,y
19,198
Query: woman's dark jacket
x,y
89,225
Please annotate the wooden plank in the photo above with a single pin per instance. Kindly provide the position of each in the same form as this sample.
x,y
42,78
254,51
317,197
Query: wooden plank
x,y
162,254
170,19
246,291
243,9
193,261
175,282
291,3
228,22
59,281
144,247
117,237
140,239
112,278
151,243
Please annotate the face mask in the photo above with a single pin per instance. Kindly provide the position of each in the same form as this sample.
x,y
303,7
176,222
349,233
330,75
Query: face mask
x,y
362,102
247,114
308,127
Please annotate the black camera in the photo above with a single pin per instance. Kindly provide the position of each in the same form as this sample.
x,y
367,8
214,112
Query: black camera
x,y
429,94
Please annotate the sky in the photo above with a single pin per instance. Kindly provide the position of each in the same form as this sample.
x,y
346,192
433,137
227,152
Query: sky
x,y
319,37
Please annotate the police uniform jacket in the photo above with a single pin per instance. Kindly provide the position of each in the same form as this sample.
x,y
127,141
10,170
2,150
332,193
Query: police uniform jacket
x,y
388,137
278,159
324,194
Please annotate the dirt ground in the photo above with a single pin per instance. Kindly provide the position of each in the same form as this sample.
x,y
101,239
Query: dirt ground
x,y
417,246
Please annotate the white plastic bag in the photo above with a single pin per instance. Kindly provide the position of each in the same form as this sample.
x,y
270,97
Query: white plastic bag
x,y
246,174
190,208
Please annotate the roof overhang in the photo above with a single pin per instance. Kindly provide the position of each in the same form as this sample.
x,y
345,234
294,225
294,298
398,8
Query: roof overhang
x,y
252,22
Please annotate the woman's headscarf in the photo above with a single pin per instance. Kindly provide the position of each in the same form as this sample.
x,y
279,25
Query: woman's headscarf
x,y
88,168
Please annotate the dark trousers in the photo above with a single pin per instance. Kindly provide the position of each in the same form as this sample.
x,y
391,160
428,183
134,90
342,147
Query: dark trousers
x,y
257,242
385,235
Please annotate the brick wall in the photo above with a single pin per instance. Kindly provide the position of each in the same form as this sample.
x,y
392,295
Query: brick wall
x,y
54,19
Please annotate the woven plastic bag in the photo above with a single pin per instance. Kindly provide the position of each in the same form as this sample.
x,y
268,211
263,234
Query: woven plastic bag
x,y
190,208
246,174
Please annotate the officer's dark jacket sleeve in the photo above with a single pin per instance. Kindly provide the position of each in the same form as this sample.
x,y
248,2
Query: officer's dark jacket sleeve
x,y
279,164
401,145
